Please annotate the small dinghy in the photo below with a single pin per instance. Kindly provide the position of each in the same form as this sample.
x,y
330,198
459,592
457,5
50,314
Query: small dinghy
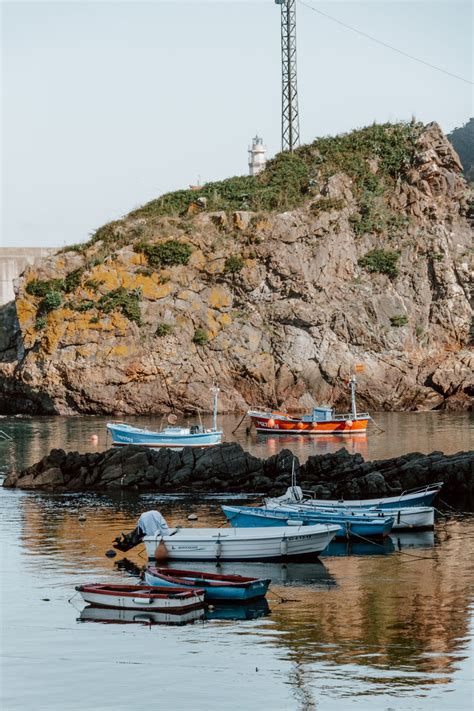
x,y
142,597
217,587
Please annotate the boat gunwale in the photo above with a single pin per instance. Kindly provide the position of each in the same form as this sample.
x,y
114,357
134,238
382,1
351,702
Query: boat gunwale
x,y
208,579
141,591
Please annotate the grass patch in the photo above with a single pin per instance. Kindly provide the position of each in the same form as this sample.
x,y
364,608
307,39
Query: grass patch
x,y
40,323
382,261
164,329
398,321
200,337
233,264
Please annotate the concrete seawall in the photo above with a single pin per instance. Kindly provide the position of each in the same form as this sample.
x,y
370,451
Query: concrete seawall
x,y
13,260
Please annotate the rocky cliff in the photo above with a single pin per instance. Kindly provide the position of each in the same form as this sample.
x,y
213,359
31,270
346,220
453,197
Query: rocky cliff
x,y
352,250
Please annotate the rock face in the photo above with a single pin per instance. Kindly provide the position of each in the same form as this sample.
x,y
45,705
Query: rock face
x,y
228,468
364,258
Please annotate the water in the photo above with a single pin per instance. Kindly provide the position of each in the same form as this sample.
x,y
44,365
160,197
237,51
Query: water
x,y
366,627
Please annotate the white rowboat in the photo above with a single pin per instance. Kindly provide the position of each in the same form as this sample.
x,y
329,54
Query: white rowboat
x,y
242,543
141,597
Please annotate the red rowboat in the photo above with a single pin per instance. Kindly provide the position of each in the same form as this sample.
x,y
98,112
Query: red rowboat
x,y
142,597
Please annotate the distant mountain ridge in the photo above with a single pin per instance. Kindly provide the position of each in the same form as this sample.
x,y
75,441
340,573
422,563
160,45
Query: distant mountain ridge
x,y
462,140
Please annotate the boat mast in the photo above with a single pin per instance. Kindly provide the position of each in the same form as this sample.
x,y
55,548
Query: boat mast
x,y
215,390
353,386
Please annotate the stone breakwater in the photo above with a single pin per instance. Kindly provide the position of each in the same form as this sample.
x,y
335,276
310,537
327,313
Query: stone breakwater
x,y
228,468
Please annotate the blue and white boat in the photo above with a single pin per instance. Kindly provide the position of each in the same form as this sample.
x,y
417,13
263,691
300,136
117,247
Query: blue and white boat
x,y
364,524
422,496
173,437
217,587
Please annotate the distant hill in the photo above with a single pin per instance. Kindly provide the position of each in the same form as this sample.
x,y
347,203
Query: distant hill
x,y
463,141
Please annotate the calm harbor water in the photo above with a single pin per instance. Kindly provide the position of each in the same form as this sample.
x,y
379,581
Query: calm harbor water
x,y
365,627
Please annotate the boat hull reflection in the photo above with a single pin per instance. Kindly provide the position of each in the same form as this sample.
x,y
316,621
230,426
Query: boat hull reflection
x,y
308,571
112,615
243,611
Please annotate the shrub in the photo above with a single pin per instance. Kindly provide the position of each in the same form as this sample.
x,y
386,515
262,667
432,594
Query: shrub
x,y
40,323
94,319
81,306
72,280
38,287
325,204
127,302
51,301
93,284
233,264
164,329
382,261
419,331
398,321
168,253
200,337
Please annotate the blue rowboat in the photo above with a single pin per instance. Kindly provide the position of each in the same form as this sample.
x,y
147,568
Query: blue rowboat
x,y
175,437
217,587
367,525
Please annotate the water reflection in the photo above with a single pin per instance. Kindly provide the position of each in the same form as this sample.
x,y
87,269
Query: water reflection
x,y
390,609
403,432
112,616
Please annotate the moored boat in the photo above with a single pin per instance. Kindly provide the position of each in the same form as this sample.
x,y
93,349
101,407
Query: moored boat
x,y
403,517
365,524
171,436
141,597
421,496
241,543
321,420
217,587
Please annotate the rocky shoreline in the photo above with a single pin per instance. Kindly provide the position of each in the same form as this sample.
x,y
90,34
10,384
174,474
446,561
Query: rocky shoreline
x,y
228,468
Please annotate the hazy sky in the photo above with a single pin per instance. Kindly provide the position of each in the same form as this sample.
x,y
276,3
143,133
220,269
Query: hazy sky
x,y
106,105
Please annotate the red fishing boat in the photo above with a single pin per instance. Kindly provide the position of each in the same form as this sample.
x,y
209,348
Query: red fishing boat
x,y
322,420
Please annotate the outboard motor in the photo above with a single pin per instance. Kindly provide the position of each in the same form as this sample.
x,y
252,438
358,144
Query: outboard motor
x,y
194,429
128,540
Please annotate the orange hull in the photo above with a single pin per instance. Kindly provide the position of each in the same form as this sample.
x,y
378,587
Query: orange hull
x,y
274,423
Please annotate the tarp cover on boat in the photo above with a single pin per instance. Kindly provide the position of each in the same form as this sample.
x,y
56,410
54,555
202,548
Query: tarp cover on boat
x,y
152,522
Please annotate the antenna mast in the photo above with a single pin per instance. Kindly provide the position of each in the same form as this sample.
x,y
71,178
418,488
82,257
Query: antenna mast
x,y
290,123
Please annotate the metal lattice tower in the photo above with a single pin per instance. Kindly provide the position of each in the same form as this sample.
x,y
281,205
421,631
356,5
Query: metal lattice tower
x,y
290,122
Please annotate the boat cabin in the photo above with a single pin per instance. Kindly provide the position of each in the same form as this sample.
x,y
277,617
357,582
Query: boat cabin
x,y
323,413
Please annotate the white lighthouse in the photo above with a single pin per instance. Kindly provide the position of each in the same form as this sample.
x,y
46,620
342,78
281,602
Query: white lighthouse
x,y
257,157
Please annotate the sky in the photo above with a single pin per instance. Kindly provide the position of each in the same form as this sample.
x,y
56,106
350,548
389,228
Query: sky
x,y
106,105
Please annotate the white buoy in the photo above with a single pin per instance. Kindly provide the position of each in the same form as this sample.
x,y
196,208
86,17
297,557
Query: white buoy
x,y
94,439
284,546
192,517
82,517
218,548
